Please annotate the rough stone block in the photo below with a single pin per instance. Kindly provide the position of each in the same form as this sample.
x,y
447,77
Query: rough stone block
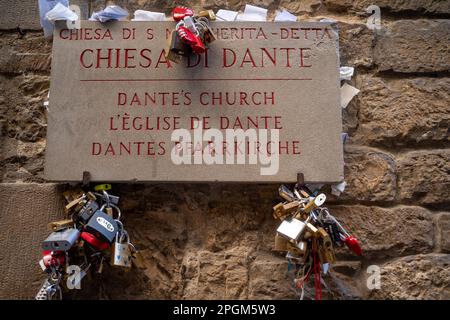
x,y
414,46
25,211
403,112
424,177
382,232
415,278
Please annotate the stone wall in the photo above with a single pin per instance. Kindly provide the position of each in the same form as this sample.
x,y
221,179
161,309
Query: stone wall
x,y
214,240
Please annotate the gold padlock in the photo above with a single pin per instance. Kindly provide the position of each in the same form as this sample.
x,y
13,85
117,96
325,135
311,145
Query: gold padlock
x,y
73,204
60,225
315,203
326,250
209,14
281,210
109,211
70,195
299,249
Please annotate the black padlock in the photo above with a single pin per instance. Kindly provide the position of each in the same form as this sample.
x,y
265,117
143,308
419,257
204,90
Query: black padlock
x,y
87,211
102,226
333,231
179,47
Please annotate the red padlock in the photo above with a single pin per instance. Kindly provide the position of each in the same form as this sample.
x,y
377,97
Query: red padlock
x,y
179,13
53,258
353,244
93,241
198,47
188,37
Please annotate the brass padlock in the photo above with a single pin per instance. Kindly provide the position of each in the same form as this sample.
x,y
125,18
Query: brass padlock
x,y
326,250
60,225
209,14
177,48
285,193
315,203
207,35
70,195
299,249
73,204
109,211
281,210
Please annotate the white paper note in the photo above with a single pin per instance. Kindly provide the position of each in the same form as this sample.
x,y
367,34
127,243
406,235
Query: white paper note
x,y
285,16
337,189
143,15
347,94
346,73
226,15
249,9
60,12
109,13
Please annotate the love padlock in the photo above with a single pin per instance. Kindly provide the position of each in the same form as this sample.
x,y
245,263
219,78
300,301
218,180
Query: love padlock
x,y
192,40
353,244
52,259
179,13
94,242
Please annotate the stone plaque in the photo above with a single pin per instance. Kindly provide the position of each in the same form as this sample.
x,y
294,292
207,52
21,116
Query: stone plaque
x,y
260,106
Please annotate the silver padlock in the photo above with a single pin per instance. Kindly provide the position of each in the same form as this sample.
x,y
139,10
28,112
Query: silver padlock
x,y
190,24
291,228
61,240
122,250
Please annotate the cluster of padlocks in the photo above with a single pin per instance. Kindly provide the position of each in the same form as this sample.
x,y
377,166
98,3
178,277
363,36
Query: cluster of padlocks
x,y
192,33
308,235
91,236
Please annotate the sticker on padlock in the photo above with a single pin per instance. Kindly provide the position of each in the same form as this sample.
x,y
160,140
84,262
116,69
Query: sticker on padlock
x,y
121,250
102,226
315,203
61,240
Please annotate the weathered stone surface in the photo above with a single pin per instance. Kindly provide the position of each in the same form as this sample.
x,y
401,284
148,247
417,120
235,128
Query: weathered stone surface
x,y
23,14
299,7
443,232
370,175
268,279
25,211
424,177
420,6
21,161
414,46
22,113
397,231
403,112
24,53
415,277
356,43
